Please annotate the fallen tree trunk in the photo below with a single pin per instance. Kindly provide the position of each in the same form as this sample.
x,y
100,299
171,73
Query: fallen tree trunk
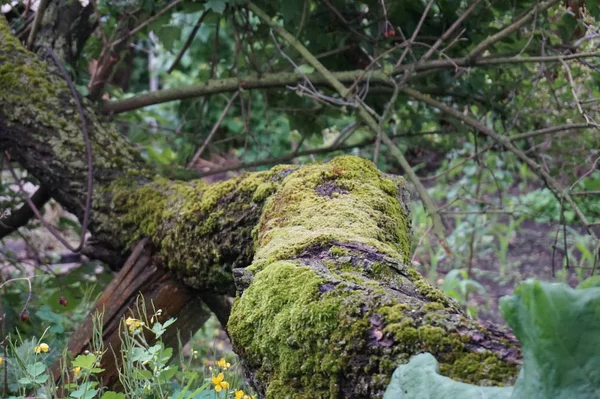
x,y
328,304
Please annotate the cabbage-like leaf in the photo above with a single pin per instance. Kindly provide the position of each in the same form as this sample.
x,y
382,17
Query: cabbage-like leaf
x,y
559,331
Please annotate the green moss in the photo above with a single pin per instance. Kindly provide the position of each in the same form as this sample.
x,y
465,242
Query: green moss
x,y
482,368
433,306
202,231
263,191
304,212
337,251
299,329
284,300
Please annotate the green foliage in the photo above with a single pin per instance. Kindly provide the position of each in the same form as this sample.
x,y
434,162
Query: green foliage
x,y
558,329
149,369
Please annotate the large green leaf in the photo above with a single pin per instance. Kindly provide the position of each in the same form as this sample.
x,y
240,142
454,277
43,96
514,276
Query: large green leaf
x,y
559,330
421,379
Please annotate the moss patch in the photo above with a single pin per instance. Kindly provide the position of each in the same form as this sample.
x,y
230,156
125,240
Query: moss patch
x,y
203,231
366,211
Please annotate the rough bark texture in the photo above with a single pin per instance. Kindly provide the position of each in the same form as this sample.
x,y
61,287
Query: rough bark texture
x,y
40,126
327,305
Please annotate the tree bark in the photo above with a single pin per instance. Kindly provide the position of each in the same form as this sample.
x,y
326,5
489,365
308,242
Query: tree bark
x,y
140,277
319,256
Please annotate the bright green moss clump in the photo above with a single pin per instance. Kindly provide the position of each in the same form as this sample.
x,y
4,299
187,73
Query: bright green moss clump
x,y
345,200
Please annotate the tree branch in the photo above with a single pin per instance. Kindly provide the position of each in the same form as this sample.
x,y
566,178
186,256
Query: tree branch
x,y
438,226
21,216
484,45
507,143
283,79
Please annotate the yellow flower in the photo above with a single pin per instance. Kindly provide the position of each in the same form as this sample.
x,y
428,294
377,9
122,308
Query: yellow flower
x,y
41,348
76,371
239,394
1,361
133,324
223,364
219,383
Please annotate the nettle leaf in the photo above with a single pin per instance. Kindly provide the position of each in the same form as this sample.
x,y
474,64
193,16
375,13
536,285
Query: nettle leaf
x,y
559,331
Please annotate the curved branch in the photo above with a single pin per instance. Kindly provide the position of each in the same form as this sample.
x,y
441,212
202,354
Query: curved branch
x,y
506,142
487,43
21,216
430,205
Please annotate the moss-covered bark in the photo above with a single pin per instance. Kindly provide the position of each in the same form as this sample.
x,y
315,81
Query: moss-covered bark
x,y
330,306
41,128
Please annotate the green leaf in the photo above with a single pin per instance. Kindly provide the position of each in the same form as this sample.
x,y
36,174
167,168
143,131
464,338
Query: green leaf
x,y
112,395
217,6
40,379
559,330
305,69
36,369
420,379
168,35
167,374
85,361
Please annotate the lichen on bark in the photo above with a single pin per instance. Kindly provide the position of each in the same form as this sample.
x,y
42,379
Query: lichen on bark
x,y
41,128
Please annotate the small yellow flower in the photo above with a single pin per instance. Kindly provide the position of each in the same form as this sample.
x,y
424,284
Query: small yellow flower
x,y
133,324
76,371
41,348
239,394
219,383
223,364
1,361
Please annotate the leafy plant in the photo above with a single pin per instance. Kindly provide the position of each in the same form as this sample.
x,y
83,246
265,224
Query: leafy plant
x,y
559,332
459,286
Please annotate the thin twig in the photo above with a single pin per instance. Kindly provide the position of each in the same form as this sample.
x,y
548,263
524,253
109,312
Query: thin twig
x,y
213,131
430,205
37,22
145,23
188,42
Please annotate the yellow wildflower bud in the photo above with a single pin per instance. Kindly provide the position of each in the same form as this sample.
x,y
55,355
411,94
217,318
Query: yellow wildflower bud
x,y
41,348
239,394
1,361
223,364
76,371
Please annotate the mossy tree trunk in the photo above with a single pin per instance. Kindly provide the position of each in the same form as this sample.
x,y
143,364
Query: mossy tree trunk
x,y
318,256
